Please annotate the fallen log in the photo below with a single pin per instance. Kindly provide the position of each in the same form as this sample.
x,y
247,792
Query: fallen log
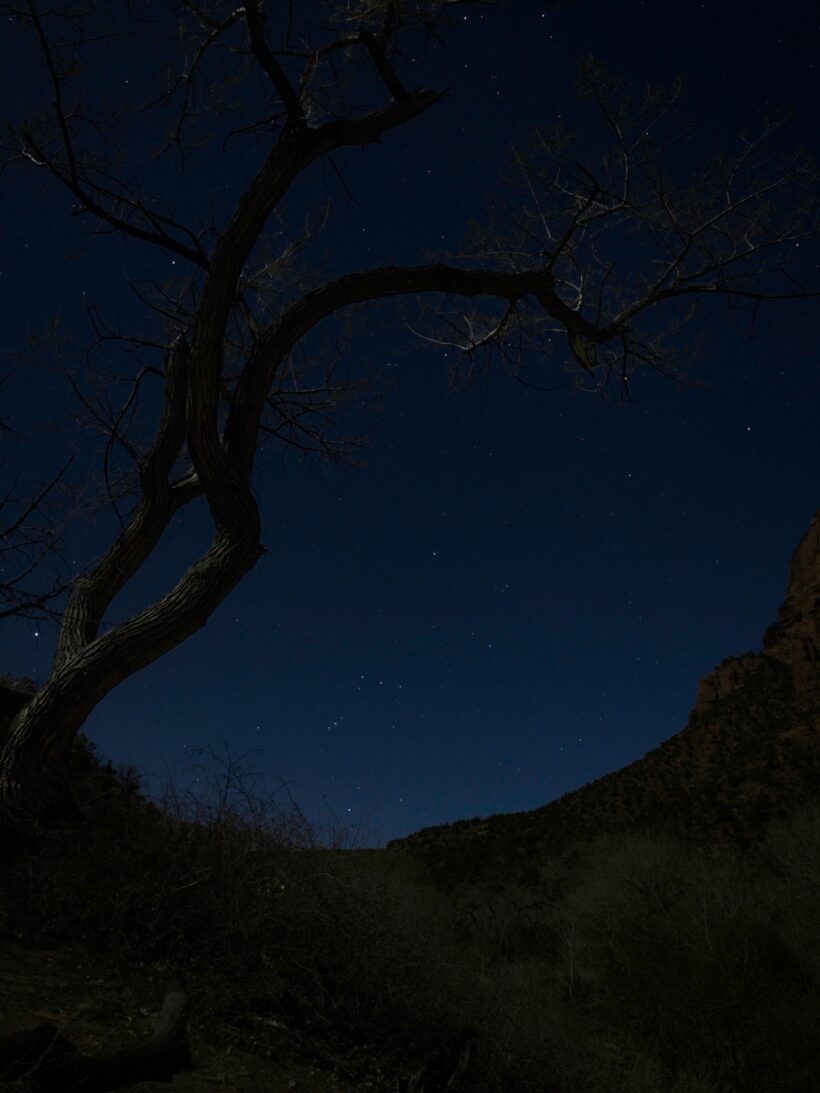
x,y
444,1070
43,1056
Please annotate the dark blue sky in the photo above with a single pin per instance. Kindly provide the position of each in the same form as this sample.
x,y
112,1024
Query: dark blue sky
x,y
519,590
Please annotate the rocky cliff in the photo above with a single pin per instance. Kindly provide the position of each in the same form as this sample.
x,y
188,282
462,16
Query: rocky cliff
x,y
795,638
750,752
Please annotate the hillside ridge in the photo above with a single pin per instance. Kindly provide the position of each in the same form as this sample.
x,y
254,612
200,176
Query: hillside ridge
x,y
749,752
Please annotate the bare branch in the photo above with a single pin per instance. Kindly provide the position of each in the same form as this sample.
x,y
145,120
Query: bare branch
x,y
599,263
263,54
21,538
382,65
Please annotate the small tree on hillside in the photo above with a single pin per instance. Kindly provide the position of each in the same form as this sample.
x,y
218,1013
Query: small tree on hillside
x,y
597,265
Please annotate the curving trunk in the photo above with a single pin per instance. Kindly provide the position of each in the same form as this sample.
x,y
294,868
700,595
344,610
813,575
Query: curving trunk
x,y
33,763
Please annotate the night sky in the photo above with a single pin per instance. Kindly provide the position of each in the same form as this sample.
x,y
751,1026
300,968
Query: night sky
x,y
518,590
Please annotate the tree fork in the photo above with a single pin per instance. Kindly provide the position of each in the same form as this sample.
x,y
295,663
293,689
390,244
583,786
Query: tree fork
x,y
33,760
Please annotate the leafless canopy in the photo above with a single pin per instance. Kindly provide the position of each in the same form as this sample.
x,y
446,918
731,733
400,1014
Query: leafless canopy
x,y
592,263
633,242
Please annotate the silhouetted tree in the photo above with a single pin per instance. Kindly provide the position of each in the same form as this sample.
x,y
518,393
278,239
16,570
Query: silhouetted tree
x,y
597,265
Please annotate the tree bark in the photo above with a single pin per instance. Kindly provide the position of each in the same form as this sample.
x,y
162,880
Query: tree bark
x,y
33,763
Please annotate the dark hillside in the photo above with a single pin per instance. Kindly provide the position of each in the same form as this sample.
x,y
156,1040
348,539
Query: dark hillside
x,y
749,753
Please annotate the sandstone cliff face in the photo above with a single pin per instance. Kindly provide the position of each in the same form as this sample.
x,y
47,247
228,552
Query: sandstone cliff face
x,y
795,637
794,641
723,681
750,752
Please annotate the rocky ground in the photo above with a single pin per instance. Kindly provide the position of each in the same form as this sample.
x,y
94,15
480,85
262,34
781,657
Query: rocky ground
x,y
103,1008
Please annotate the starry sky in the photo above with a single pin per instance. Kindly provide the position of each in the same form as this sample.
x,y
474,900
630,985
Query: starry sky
x,y
517,590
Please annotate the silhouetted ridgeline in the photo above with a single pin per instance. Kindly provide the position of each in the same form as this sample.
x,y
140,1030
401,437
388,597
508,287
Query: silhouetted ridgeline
x,y
750,752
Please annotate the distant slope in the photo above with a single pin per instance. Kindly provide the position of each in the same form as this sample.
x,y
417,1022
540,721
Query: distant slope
x,y
750,751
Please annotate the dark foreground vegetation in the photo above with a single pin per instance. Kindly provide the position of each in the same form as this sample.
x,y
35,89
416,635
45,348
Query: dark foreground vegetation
x,y
631,964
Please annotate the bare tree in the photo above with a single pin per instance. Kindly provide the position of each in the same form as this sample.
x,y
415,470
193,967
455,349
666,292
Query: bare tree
x,y
597,265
